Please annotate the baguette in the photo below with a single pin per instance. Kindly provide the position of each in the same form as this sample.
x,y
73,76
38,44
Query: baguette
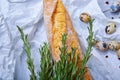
x,y
57,22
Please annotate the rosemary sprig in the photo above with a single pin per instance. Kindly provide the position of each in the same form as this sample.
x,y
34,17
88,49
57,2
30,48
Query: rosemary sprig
x,y
28,53
87,54
46,65
66,68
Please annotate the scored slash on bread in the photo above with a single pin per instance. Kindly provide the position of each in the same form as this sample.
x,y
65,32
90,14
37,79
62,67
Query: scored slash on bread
x,y
58,22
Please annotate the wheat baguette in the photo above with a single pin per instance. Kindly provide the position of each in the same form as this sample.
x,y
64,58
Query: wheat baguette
x,y
57,22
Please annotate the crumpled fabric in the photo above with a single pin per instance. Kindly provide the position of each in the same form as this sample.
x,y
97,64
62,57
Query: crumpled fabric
x,y
28,14
7,60
101,68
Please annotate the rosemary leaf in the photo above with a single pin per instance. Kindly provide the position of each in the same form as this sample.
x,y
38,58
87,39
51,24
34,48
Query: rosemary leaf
x,y
46,65
65,68
28,53
87,54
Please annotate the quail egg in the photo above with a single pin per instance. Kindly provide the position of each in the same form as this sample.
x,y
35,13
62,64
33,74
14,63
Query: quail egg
x,y
113,45
110,28
101,46
85,17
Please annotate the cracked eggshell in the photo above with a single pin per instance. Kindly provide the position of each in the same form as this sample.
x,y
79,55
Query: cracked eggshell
x,y
101,46
110,28
113,45
85,17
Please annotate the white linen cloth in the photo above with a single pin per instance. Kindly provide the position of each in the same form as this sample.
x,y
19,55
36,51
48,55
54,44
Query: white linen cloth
x,y
108,68
28,15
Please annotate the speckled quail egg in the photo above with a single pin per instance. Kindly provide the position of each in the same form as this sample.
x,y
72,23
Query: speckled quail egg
x,y
85,17
110,28
101,46
113,45
118,53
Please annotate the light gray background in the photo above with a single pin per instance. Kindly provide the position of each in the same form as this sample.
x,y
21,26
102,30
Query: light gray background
x,y
28,15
